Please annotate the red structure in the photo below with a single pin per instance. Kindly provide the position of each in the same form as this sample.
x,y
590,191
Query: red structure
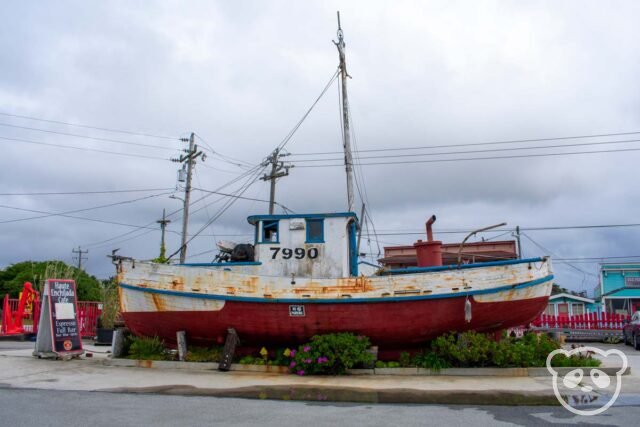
x,y
17,312
12,320
403,256
88,314
429,253
588,321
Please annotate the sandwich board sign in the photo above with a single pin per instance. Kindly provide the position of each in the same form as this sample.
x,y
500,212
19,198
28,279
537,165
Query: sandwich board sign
x,y
58,330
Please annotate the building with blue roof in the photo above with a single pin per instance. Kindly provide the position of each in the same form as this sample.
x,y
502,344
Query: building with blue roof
x,y
619,290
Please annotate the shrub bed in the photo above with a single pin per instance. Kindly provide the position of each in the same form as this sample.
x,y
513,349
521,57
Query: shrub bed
x,y
471,350
334,354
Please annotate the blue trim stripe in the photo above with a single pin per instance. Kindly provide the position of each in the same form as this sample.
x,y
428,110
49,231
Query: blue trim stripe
x,y
219,264
254,218
353,254
412,270
338,301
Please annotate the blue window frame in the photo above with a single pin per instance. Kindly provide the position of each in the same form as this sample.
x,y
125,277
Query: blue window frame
x,y
270,232
315,230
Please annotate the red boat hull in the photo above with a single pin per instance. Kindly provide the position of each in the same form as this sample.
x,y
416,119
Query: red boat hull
x,y
389,325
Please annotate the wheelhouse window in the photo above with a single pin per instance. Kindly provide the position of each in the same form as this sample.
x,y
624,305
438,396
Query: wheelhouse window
x,y
315,231
269,232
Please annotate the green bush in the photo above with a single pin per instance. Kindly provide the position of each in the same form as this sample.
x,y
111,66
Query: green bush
x,y
331,354
464,350
562,361
471,349
405,360
144,348
430,360
203,354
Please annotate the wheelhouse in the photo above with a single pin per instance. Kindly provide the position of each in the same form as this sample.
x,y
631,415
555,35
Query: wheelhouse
x,y
306,245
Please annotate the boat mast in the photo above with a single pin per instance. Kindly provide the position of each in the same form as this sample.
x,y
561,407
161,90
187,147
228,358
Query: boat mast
x,y
348,159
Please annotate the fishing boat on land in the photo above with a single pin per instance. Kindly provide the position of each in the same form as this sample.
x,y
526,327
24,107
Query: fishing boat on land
x,y
301,278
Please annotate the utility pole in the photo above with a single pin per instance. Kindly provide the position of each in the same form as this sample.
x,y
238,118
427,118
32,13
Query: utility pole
x,y
518,240
163,224
348,158
188,160
80,258
278,170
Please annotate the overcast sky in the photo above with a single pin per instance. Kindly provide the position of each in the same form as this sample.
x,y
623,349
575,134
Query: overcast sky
x,y
241,74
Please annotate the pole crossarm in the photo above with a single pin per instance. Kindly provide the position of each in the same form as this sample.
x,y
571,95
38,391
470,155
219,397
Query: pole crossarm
x,y
279,169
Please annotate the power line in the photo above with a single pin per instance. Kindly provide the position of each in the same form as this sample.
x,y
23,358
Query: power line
x,y
252,178
295,128
240,197
597,258
515,141
551,253
447,153
477,158
128,132
71,216
28,141
500,230
49,214
65,193
148,226
228,159
95,138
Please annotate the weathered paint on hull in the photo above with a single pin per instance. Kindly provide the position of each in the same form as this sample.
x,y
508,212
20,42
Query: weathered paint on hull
x,y
395,311
388,324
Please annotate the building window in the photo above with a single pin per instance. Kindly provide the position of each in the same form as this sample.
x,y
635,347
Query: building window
x,y
550,310
577,309
315,231
270,232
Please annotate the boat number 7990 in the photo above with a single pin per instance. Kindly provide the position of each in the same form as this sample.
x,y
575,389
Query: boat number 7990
x,y
297,253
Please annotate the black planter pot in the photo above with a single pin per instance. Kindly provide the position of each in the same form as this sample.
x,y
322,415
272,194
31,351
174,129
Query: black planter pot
x,y
104,336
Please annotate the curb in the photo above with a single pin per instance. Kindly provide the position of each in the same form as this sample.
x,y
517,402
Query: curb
x,y
450,372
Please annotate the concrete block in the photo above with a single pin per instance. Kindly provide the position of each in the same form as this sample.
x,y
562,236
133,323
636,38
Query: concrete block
x,y
260,368
396,371
476,372
361,371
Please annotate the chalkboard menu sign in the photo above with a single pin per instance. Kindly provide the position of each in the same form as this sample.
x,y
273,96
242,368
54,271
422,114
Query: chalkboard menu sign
x,y
64,317
58,331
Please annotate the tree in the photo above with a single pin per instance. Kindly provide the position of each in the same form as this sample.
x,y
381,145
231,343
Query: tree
x,y
13,277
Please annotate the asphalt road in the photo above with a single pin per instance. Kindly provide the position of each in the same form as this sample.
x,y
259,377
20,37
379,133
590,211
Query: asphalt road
x,y
69,408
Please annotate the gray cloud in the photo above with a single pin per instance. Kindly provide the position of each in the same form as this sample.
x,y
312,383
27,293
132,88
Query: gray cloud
x,y
241,74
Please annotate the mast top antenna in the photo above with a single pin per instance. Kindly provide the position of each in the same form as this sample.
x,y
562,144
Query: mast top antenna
x,y
339,26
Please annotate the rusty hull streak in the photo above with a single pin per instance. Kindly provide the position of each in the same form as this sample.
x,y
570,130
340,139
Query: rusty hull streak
x,y
345,285
158,302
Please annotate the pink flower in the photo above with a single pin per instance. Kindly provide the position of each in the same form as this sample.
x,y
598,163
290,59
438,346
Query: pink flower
x,y
306,348
292,364
320,359
308,361
293,353
300,372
